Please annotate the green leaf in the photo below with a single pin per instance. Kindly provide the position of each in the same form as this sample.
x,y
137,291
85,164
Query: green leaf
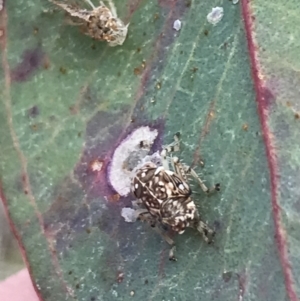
x,y
67,102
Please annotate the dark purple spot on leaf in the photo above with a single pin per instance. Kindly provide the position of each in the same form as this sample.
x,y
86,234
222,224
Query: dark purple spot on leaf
x,y
33,112
217,225
31,60
267,97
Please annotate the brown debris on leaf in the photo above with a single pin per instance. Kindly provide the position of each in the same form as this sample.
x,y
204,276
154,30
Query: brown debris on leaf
x,y
101,23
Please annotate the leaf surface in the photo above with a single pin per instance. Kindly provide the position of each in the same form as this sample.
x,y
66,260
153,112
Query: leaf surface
x,y
230,89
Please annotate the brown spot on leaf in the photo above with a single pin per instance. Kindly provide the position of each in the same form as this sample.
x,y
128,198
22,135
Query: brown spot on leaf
x,y
73,109
114,198
137,71
34,127
245,127
46,62
188,3
63,70
120,277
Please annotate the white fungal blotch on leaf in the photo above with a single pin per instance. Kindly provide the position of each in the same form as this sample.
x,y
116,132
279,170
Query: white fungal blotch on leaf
x,y
129,215
177,25
216,15
128,155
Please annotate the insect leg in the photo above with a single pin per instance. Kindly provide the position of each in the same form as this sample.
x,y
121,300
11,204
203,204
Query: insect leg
x,y
169,240
89,2
164,159
191,171
137,204
179,169
173,147
112,8
146,216
140,212
207,233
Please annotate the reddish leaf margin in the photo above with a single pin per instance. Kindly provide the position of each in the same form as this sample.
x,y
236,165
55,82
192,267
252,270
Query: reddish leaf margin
x,y
263,98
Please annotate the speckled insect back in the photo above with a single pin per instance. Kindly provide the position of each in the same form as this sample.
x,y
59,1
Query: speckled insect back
x,y
100,23
166,195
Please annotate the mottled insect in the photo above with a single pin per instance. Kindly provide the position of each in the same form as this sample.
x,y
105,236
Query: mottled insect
x,y
166,195
101,23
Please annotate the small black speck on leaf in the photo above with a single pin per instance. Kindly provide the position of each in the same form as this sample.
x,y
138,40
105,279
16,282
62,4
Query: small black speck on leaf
x,y
227,276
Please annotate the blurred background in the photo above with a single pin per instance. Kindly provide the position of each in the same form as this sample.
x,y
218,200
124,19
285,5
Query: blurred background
x,y
10,256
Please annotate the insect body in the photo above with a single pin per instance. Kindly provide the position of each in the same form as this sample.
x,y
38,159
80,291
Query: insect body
x,y
166,195
100,23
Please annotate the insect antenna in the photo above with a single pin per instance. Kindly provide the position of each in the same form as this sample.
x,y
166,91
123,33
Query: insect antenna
x,y
89,2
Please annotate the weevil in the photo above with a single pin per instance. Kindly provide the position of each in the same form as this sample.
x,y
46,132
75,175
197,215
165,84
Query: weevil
x,y
100,23
166,195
